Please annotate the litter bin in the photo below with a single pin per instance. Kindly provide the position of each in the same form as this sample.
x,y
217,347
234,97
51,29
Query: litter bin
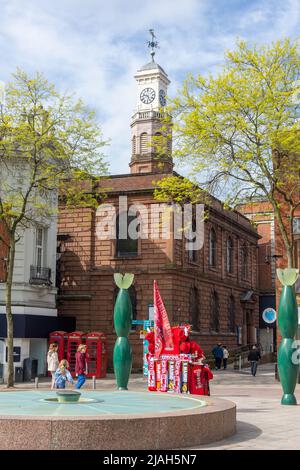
x,y
30,367
18,374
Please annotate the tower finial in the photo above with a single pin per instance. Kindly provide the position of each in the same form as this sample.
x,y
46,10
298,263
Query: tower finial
x,y
152,44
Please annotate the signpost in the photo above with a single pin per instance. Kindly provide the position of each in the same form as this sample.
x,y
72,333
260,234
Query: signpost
x,y
269,315
146,324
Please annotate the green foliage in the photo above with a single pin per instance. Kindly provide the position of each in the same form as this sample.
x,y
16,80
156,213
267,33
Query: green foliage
x,y
48,143
180,190
238,131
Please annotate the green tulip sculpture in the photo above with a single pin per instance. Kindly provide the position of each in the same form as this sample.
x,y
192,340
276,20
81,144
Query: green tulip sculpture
x,y
123,320
288,321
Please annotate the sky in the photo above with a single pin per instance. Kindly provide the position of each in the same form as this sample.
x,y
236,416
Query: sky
x,y
94,47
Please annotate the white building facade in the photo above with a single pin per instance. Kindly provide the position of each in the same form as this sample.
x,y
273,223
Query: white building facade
x,y
33,297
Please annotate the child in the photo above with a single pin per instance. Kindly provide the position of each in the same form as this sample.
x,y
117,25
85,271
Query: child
x,y
81,365
62,374
52,361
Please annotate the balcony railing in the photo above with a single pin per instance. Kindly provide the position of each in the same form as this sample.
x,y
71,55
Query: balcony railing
x,y
40,276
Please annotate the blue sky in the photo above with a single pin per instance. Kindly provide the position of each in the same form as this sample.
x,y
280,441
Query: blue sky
x,y
94,47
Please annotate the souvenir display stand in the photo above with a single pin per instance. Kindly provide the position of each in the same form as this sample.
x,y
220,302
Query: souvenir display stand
x,y
180,370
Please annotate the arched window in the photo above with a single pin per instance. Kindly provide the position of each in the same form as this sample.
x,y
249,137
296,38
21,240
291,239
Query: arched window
x,y
144,143
214,314
125,245
158,143
134,145
229,255
244,261
192,253
194,309
212,255
231,314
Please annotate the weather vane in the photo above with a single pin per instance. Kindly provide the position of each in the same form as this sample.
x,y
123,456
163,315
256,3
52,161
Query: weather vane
x,y
153,44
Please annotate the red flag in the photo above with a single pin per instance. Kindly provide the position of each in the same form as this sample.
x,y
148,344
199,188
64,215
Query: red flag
x,y
162,328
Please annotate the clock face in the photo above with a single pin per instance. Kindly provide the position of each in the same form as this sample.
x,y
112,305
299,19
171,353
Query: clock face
x,y
162,97
147,95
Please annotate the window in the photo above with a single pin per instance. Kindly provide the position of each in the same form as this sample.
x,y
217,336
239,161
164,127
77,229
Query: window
x,y
158,142
214,315
231,314
144,143
212,256
229,255
194,309
296,225
39,247
192,253
126,246
39,273
244,261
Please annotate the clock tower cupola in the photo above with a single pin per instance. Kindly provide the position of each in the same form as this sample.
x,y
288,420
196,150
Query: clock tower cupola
x,y
152,84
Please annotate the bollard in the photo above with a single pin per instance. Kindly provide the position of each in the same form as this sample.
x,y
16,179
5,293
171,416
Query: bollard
x,y
240,363
36,382
94,382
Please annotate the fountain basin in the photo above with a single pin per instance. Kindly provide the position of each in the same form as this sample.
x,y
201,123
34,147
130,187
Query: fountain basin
x,y
67,396
112,420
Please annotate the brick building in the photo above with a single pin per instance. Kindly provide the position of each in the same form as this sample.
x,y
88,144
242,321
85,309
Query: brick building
x,y
262,216
213,288
271,255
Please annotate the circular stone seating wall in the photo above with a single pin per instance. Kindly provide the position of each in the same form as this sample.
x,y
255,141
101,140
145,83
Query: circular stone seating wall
x,y
155,430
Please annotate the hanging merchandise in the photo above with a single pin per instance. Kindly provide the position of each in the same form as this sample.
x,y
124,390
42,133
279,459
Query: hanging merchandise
x,y
175,364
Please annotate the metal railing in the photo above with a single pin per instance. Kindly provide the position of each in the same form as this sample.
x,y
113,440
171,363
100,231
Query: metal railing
x,y
40,276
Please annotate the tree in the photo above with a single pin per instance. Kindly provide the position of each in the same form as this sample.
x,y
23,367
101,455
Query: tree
x,y
239,131
49,143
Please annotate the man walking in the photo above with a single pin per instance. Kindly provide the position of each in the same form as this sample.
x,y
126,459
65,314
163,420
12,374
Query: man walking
x,y
218,355
253,357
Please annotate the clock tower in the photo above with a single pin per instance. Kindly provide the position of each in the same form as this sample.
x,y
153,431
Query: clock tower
x,y
152,84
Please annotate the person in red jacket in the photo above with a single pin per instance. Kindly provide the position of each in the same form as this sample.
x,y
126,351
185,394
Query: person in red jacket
x,y
81,365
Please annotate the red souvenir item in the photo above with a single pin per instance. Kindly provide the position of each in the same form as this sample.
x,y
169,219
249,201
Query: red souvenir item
x,y
158,375
151,374
162,329
164,376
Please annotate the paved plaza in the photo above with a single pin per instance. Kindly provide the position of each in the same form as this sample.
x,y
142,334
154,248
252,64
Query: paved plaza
x,y
262,423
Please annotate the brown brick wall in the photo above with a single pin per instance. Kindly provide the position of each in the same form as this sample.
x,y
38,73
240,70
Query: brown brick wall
x,y
87,265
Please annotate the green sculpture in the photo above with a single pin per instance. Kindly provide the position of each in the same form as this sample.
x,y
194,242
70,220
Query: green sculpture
x,y
122,320
288,322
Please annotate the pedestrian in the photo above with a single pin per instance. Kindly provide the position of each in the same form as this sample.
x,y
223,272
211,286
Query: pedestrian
x,y
218,355
52,361
253,357
225,357
62,374
81,365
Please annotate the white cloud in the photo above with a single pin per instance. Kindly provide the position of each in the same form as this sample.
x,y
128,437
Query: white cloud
x,y
95,47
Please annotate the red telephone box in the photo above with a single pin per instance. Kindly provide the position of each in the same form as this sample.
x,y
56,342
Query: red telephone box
x,y
74,340
97,354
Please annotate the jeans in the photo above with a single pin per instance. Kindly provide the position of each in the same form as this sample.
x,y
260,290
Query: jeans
x,y
253,368
225,363
218,362
61,385
53,379
80,380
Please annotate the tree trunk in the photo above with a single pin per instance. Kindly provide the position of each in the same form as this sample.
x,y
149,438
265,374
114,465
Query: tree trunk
x,y
288,242
9,315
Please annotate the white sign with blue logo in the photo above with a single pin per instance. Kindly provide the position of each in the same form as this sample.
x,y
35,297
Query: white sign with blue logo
x,y
269,315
